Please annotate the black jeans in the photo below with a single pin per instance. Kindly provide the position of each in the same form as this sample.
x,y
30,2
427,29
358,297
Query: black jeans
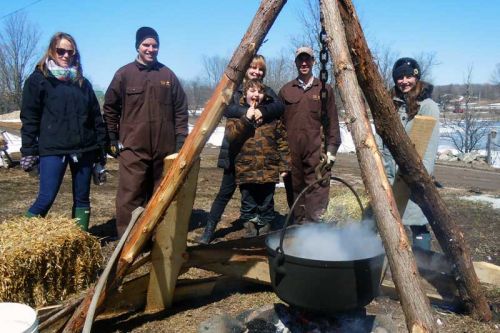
x,y
257,201
226,191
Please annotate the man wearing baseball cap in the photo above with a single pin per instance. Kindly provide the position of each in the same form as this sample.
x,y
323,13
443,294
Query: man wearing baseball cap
x,y
302,118
146,113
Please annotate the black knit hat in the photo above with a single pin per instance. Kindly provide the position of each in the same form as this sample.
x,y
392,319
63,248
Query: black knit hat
x,y
405,67
145,33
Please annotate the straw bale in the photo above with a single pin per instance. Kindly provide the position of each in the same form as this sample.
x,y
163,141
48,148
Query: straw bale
x,y
43,260
343,206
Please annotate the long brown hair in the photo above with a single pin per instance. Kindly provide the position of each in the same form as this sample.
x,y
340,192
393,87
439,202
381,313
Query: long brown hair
x,y
421,91
51,54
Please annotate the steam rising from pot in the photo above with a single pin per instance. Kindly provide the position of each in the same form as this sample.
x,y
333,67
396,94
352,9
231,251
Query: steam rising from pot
x,y
328,242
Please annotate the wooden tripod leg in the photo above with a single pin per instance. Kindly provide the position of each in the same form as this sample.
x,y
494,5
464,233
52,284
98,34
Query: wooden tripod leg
x,y
169,248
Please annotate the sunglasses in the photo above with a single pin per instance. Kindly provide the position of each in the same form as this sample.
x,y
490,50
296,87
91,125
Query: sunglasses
x,y
61,52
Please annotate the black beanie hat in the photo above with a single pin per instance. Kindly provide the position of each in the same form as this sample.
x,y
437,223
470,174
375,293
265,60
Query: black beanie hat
x,y
405,67
145,33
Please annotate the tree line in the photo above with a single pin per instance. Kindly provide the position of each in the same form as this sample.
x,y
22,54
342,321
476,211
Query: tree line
x,y
19,51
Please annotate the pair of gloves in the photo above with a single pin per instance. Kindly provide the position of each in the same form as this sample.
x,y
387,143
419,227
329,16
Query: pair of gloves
x,y
115,146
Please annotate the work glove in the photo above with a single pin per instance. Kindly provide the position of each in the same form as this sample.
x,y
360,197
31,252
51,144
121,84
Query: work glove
x,y
99,174
179,141
28,162
330,158
114,148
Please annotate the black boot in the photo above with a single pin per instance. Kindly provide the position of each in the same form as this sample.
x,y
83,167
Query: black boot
x,y
208,233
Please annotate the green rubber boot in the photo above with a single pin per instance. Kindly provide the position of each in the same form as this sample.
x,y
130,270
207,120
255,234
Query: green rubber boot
x,y
82,216
29,214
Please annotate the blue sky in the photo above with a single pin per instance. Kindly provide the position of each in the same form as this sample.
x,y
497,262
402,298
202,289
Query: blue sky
x,y
460,32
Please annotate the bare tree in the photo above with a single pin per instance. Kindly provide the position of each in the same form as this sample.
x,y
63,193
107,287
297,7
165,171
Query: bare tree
x,y
495,76
279,71
427,61
385,57
467,131
198,92
18,48
214,68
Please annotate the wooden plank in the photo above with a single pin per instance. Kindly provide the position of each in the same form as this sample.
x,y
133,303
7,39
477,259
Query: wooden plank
x,y
243,258
169,248
487,272
420,135
133,295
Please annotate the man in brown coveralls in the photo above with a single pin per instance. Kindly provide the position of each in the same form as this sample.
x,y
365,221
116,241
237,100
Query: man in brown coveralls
x,y
145,109
302,118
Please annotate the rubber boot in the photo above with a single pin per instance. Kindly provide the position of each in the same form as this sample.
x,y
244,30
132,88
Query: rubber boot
x,y
29,214
82,216
208,233
421,237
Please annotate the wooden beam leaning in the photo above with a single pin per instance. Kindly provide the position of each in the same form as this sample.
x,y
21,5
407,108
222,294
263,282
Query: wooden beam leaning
x,y
169,248
413,172
414,302
264,18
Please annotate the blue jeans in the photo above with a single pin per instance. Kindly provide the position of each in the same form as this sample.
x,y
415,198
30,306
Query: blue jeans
x,y
257,201
52,169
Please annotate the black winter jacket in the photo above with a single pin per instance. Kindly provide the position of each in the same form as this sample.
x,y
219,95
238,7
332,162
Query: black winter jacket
x,y
60,117
271,108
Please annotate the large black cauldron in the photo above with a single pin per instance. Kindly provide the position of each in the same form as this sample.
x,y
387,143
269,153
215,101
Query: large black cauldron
x,y
321,285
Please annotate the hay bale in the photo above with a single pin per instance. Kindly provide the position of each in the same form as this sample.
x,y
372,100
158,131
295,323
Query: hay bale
x,y
343,206
43,260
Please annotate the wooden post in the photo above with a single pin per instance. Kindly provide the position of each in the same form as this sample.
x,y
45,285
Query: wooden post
x,y
264,18
412,169
414,302
169,249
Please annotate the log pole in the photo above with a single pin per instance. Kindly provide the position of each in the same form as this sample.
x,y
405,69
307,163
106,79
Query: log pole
x,y
264,18
414,302
411,167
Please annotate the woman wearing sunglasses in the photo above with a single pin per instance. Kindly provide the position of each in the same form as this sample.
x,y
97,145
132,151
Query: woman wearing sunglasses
x,y
61,125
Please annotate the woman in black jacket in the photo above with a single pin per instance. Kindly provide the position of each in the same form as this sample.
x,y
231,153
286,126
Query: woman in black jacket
x,y
61,125
272,110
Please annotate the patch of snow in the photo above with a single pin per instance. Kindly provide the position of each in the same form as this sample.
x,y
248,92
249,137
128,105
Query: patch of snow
x,y
486,198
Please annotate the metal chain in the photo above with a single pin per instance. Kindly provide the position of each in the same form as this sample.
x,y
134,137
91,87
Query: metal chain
x,y
323,76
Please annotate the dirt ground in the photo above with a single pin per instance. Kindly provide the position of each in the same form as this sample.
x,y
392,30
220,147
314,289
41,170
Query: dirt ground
x,y
479,221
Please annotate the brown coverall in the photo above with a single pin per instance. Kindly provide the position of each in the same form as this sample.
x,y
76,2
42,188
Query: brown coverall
x,y
146,109
302,118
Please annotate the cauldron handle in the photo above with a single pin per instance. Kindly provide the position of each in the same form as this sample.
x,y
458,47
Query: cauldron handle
x,y
288,217
280,250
